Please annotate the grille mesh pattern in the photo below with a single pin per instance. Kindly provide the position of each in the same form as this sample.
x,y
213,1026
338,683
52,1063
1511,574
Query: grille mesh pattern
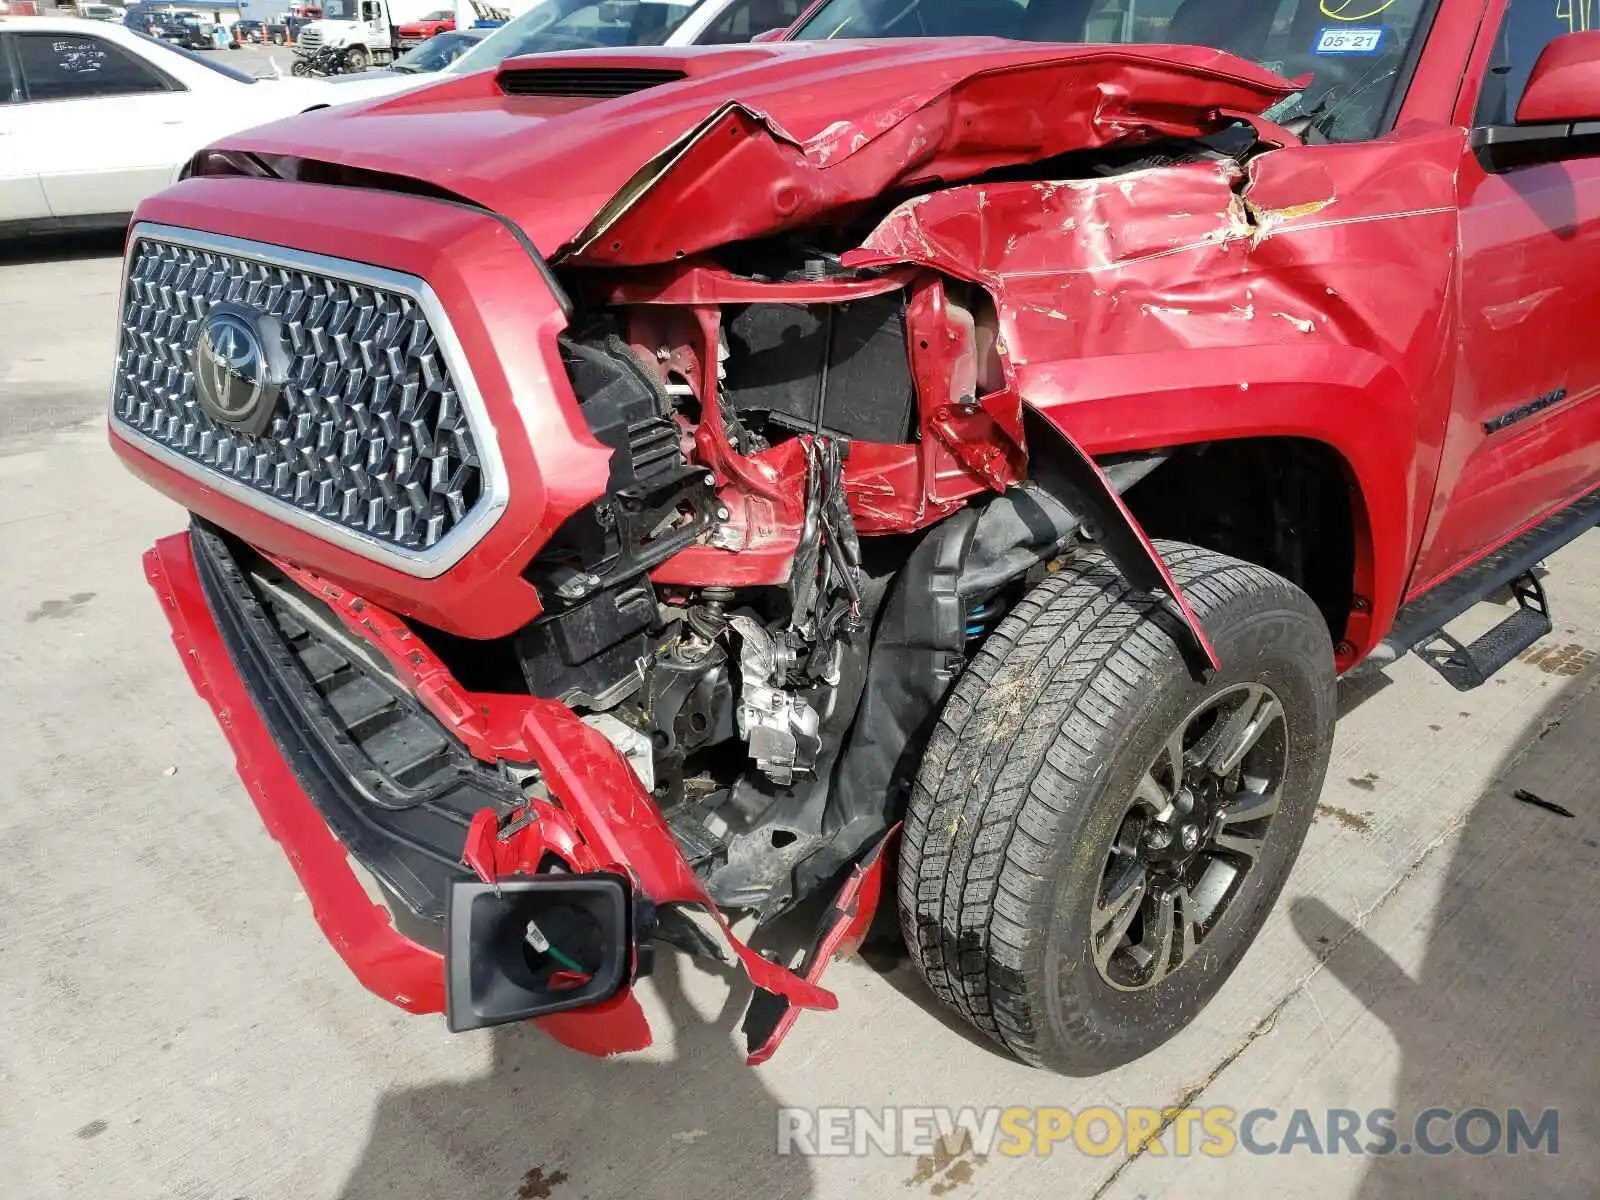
x,y
369,432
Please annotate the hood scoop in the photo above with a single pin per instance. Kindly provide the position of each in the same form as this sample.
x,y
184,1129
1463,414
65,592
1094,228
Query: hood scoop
x,y
592,83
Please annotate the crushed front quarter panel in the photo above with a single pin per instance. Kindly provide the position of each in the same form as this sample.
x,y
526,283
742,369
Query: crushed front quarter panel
x,y
1207,300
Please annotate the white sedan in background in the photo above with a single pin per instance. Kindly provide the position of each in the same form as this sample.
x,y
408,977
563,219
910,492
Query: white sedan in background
x,y
95,117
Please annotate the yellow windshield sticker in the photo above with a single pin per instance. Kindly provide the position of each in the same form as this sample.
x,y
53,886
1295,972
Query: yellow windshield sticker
x,y
1354,10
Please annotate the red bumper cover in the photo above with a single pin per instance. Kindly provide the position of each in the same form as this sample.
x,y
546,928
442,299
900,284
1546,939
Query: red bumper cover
x,y
598,817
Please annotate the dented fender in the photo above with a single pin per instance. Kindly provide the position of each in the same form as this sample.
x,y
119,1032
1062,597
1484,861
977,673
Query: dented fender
x,y
1195,396
1306,294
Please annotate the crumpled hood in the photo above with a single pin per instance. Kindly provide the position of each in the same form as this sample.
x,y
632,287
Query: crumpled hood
x,y
758,138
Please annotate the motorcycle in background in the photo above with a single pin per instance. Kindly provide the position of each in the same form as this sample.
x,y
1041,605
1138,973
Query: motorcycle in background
x,y
323,60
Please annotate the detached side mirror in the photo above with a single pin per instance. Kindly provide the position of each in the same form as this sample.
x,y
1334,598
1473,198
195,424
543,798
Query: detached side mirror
x,y
771,35
1558,116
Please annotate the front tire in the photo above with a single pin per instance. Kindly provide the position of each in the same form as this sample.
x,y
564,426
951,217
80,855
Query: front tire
x,y
1094,837
356,60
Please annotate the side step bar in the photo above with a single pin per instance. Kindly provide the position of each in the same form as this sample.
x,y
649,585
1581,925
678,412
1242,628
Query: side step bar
x,y
1467,667
1420,624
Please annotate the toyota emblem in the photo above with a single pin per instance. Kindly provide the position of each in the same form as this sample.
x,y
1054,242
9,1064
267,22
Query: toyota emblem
x,y
234,370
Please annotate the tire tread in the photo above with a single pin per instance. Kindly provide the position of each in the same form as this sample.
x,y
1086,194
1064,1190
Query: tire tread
x,y
1071,659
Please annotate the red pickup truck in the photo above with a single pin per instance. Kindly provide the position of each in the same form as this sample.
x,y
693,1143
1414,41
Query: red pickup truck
x,y
637,490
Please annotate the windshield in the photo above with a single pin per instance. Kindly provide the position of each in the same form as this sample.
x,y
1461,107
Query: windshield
x,y
341,10
435,54
577,25
1352,49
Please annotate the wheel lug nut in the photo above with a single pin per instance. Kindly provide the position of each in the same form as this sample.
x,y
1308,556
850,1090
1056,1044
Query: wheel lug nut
x,y
1158,837
1189,835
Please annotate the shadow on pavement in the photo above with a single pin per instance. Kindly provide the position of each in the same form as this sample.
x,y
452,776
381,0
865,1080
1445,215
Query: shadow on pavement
x,y
885,952
547,1123
1503,1010
1358,687
61,247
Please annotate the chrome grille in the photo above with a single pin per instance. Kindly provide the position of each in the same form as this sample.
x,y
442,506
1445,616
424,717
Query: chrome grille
x,y
371,434
309,39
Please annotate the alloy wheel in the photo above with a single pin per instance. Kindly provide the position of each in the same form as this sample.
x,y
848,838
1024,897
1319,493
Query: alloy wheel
x,y
1194,827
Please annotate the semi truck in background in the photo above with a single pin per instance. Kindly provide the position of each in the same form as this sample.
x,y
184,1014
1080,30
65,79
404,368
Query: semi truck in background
x,y
368,31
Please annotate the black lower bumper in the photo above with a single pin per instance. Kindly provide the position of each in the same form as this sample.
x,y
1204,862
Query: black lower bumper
x,y
395,788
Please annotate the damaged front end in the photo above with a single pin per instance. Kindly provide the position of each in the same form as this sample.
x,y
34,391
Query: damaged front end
x,y
697,670
518,867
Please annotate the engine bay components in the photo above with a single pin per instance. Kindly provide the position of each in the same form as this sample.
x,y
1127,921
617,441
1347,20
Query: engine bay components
x,y
768,710
780,727
839,370
655,503
592,654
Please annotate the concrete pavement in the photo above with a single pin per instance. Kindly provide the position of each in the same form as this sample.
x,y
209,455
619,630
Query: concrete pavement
x,y
173,1025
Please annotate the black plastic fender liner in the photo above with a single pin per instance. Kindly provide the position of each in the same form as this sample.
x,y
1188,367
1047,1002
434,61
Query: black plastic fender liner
x,y
918,649
1059,465
919,645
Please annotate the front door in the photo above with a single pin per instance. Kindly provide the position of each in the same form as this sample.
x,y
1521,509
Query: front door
x,y
103,127
1524,436
21,196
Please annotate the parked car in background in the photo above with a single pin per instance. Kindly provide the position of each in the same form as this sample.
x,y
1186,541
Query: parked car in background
x,y
437,52
414,33
586,24
100,116
145,18
247,30
182,29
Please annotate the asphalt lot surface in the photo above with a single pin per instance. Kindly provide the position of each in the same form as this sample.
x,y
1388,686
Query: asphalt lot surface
x,y
256,60
173,1025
